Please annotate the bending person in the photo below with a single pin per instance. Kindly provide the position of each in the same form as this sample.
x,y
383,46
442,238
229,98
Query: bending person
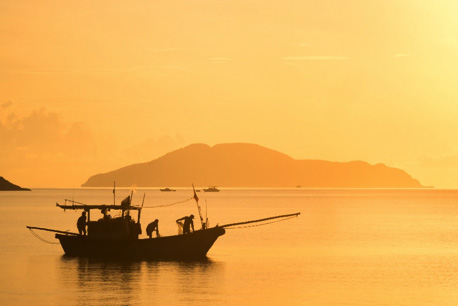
x,y
188,223
153,226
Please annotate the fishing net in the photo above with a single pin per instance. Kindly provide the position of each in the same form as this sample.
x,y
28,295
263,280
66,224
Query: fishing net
x,y
41,238
180,227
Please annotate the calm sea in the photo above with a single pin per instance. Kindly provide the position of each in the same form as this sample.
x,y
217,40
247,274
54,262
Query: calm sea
x,y
348,247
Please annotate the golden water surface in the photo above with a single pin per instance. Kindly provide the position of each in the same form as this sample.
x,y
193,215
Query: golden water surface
x,y
348,247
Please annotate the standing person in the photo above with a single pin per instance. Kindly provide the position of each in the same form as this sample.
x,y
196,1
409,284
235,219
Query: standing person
x,y
153,226
188,223
106,216
81,224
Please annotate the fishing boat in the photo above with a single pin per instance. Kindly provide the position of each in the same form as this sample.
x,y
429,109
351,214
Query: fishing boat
x,y
211,189
119,237
167,189
190,246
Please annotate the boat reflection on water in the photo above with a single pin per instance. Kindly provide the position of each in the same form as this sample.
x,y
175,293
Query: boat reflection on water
x,y
97,282
94,281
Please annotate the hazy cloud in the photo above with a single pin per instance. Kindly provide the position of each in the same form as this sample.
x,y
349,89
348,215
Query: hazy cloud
x,y
39,147
150,148
141,71
217,60
445,161
45,134
38,71
6,104
314,58
159,50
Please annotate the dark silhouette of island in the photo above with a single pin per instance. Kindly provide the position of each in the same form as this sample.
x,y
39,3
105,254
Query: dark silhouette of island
x,y
6,185
250,165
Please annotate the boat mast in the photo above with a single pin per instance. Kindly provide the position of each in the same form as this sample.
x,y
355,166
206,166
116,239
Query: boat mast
x,y
114,192
198,208
140,210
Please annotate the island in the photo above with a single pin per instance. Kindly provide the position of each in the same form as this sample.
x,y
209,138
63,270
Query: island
x,y
251,166
6,185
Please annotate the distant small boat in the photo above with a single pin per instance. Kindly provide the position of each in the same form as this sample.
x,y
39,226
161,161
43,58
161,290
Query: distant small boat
x,y
211,189
167,189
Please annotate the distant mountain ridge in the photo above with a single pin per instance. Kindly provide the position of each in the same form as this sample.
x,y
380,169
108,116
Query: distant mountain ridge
x,y
250,165
7,185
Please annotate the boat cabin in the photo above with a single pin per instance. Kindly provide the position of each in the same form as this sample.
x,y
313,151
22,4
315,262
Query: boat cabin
x,y
123,227
117,228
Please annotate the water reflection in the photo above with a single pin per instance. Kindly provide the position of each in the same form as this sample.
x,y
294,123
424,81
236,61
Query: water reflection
x,y
206,278
378,247
100,282
108,282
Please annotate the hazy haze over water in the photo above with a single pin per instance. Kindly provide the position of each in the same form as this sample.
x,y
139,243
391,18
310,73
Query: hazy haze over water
x,y
348,247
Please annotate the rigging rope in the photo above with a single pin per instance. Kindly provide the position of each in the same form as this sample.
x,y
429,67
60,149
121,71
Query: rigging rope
x,y
157,206
171,204
286,218
42,239
261,220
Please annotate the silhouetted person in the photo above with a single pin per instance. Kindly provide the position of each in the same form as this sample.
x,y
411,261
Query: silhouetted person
x,y
81,223
153,226
106,215
188,223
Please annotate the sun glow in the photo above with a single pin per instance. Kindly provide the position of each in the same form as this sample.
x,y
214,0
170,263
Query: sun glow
x,y
89,87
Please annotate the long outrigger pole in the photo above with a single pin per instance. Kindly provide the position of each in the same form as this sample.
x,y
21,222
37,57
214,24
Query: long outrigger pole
x,y
52,230
261,220
140,211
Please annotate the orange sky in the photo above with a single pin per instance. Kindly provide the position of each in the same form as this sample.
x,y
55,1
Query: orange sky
x,y
90,86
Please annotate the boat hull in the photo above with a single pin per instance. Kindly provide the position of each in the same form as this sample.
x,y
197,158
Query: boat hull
x,y
189,246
